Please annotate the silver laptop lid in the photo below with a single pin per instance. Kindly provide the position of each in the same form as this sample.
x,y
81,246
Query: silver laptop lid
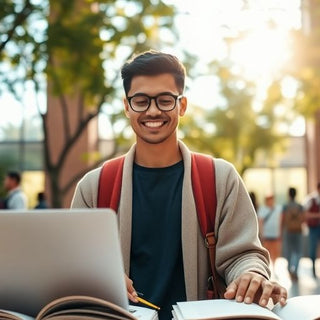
x,y
47,254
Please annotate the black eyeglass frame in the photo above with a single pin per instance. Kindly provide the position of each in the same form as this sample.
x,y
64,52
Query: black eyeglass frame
x,y
150,98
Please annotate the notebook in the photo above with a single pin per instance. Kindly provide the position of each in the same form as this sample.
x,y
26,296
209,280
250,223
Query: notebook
x,y
47,254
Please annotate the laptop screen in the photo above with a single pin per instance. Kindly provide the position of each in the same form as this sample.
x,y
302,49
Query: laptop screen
x,y
47,254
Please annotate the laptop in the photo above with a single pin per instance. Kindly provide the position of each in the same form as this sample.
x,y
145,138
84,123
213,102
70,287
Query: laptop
x,y
47,254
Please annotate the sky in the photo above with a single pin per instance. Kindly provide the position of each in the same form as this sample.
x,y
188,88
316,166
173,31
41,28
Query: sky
x,y
202,24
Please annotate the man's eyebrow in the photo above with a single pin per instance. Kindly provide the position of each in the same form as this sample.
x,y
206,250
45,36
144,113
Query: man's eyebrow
x,y
158,94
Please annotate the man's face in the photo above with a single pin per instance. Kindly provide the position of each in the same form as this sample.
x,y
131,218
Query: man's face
x,y
270,201
9,183
153,125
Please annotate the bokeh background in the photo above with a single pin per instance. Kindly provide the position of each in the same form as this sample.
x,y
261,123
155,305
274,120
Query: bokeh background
x,y
253,86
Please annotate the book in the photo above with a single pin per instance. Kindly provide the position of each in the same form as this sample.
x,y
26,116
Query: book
x,y
83,308
300,307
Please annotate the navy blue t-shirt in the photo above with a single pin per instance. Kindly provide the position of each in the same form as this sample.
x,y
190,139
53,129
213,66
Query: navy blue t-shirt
x,y
156,266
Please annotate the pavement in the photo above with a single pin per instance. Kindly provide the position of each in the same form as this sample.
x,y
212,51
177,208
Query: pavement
x,y
306,283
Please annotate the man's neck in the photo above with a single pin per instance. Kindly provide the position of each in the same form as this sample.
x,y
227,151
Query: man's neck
x,y
157,155
17,188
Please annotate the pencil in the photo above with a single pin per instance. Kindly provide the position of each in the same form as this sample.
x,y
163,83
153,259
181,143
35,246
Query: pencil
x,y
147,303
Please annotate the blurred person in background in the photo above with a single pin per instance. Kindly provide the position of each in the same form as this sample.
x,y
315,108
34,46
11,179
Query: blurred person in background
x,y
16,198
42,202
270,221
256,208
312,213
254,200
293,217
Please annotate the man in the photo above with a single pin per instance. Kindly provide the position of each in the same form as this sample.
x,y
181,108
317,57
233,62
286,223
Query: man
x,y
270,215
157,208
312,215
42,201
16,199
293,217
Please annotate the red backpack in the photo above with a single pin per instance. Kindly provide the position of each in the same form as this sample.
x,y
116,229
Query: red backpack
x,y
203,185
315,208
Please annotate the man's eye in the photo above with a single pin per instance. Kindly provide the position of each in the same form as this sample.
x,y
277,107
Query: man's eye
x,y
165,100
142,101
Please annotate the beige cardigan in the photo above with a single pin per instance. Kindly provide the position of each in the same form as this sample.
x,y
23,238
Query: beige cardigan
x,y
236,227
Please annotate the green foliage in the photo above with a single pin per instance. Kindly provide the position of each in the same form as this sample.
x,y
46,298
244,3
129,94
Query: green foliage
x,y
79,46
305,64
233,130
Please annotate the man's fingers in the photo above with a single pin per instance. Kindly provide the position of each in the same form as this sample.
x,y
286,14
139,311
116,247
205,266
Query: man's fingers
x,y
251,287
132,294
267,289
280,295
243,287
231,290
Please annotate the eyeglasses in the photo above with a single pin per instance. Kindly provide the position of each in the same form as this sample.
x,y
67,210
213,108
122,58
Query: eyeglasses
x,y
141,102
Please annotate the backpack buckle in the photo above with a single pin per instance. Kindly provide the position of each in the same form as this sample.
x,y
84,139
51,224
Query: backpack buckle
x,y
210,240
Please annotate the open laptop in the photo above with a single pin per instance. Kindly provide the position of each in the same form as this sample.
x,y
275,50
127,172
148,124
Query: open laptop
x,y
47,254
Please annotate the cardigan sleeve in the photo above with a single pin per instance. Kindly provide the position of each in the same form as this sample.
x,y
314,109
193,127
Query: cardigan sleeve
x,y
86,192
238,248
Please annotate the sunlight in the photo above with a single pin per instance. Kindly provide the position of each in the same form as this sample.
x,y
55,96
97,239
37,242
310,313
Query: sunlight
x,y
262,53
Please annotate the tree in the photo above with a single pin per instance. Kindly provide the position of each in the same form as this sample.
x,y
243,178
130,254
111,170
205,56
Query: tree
x,y
232,129
76,46
305,64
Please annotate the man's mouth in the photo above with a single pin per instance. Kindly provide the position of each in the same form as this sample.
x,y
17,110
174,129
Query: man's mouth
x,y
154,124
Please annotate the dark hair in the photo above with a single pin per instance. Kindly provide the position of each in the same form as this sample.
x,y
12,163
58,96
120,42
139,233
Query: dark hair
x,y
41,196
292,192
318,185
150,63
15,175
253,199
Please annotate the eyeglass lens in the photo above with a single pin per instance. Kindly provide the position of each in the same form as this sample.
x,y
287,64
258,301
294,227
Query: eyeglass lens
x,y
142,102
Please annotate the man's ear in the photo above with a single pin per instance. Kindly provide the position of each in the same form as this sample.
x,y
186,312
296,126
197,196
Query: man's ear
x,y
183,106
126,107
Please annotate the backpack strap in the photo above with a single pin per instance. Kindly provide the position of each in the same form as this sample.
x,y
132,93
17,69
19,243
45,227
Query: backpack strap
x,y
110,183
204,190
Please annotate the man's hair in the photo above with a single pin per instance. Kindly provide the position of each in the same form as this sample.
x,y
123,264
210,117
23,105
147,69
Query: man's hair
x,y
292,192
41,196
152,63
15,175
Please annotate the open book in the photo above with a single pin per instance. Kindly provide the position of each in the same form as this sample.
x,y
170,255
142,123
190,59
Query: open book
x,y
300,308
83,308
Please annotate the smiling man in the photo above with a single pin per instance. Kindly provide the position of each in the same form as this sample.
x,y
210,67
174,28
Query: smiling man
x,y
157,206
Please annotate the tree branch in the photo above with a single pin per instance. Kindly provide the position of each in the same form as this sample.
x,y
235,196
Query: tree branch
x,y
19,19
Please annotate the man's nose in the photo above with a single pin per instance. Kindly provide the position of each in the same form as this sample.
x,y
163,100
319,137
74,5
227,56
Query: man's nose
x,y
153,109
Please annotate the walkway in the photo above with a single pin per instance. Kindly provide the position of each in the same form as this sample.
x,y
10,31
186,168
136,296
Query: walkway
x,y
306,283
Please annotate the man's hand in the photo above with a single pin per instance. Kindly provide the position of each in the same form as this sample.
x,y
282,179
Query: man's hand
x,y
132,294
253,287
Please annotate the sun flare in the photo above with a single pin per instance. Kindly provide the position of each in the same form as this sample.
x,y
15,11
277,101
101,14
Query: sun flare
x,y
263,52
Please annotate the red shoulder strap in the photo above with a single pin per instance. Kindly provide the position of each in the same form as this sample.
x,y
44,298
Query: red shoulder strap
x,y
203,185
204,190
110,182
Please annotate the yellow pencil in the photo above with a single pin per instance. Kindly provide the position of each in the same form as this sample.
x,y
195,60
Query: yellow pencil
x,y
147,303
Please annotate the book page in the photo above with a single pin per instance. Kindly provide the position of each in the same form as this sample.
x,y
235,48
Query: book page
x,y
89,306
143,313
300,307
11,315
222,309
84,307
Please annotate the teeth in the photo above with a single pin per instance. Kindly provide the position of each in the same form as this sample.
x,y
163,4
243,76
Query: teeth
x,y
153,124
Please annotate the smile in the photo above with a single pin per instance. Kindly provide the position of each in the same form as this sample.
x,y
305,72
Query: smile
x,y
154,124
